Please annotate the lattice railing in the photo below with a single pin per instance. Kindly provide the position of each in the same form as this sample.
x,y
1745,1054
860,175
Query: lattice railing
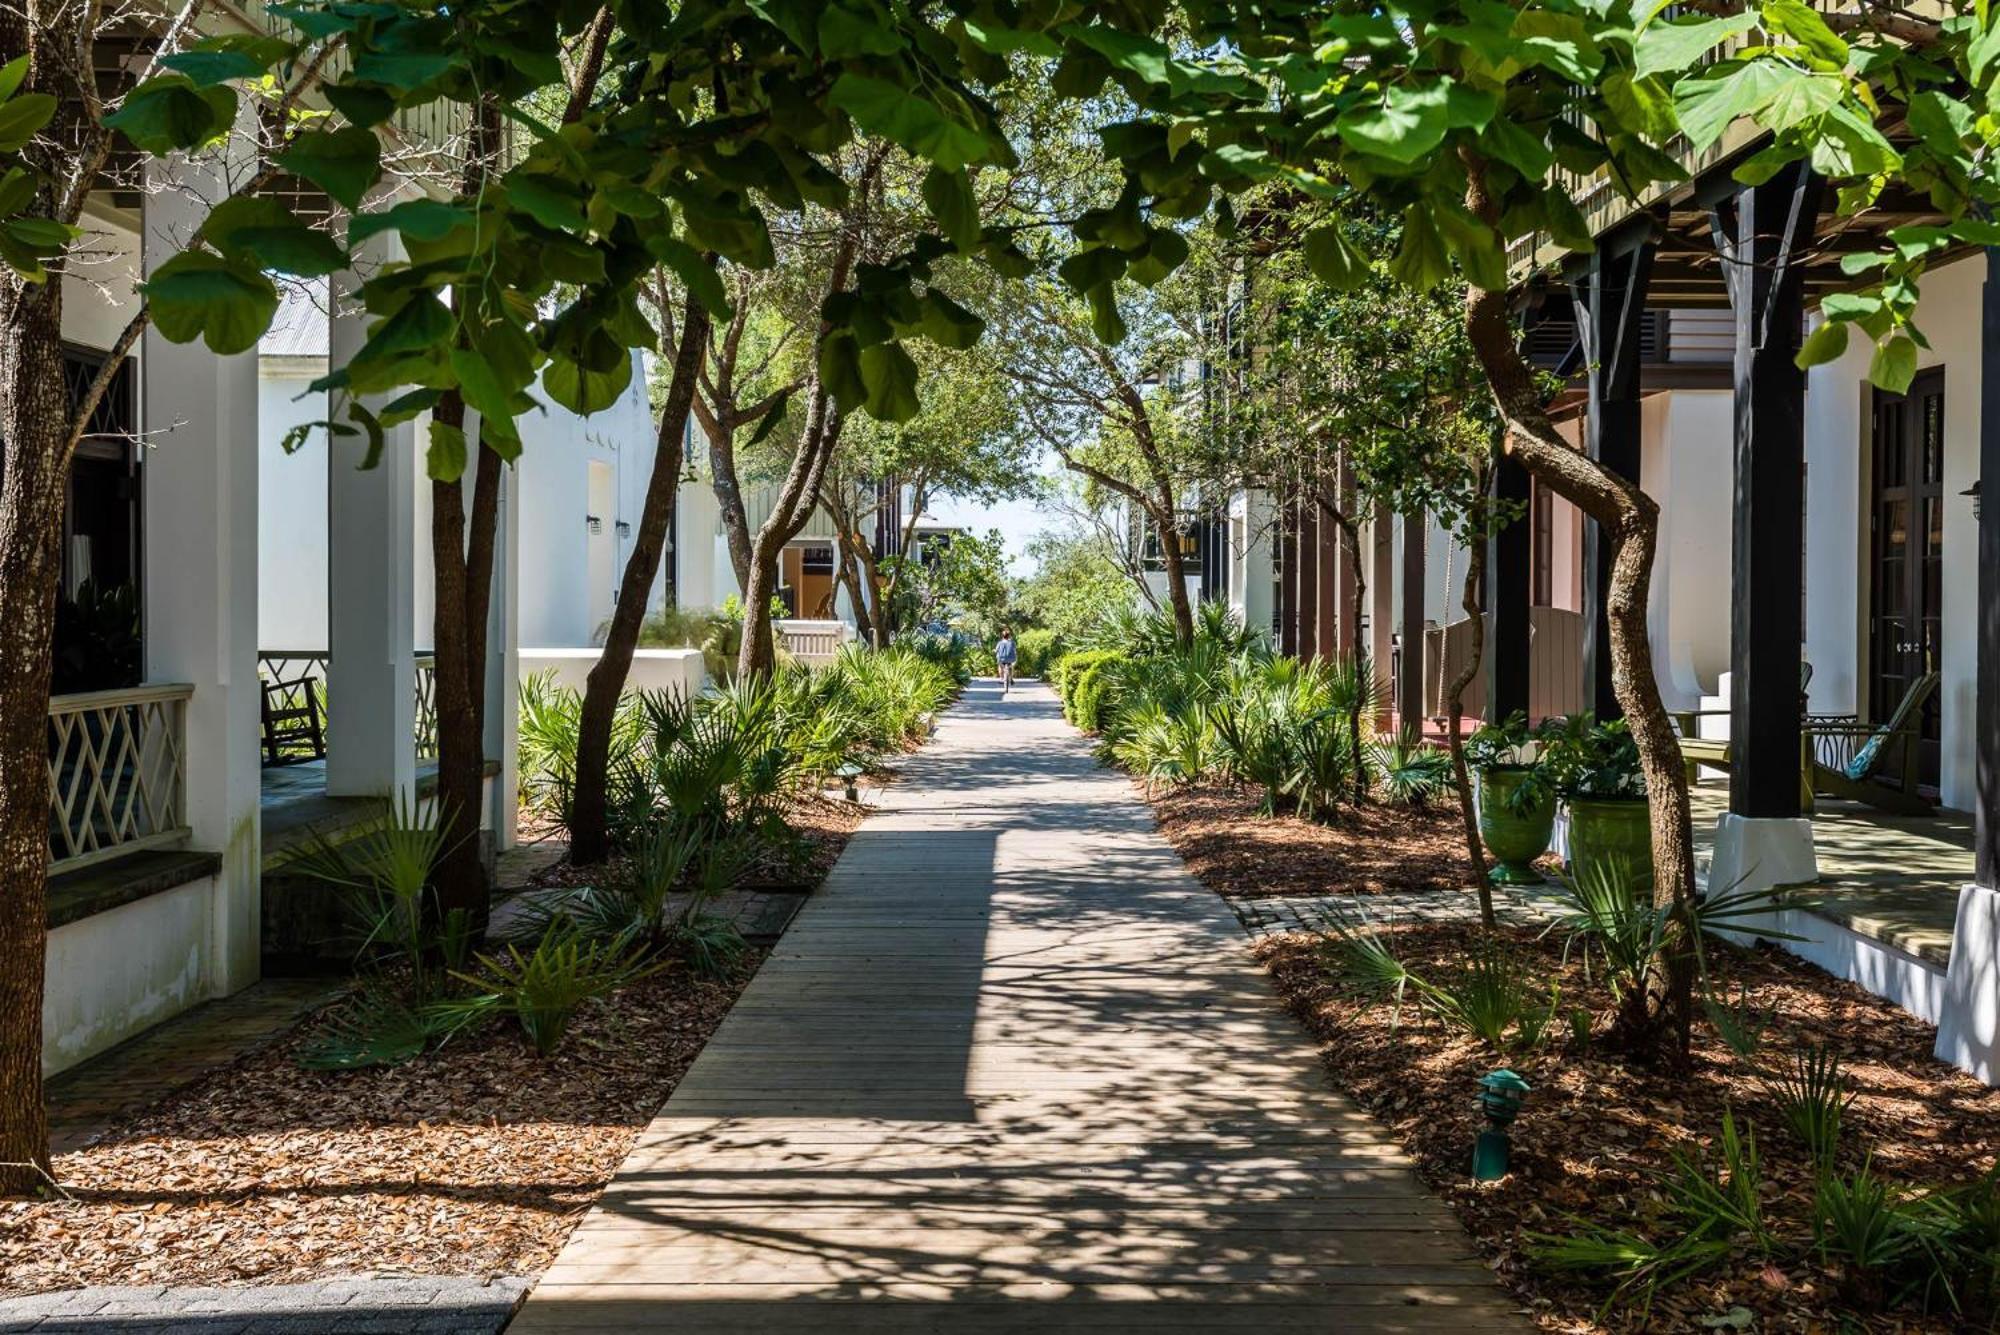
x,y
117,773
427,712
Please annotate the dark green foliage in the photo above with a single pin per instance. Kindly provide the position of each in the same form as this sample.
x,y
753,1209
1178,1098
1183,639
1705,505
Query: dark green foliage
x,y
542,989
1812,1097
1410,771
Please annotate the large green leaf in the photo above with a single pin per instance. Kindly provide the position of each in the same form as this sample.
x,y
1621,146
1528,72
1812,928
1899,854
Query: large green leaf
x,y
1895,364
167,113
949,324
891,377
1420,259
948,194
840,369
445,459
424,219
1825,343
695,270
1673,49
21,117
910,121
1777,95
1333,259
483,391
344,163
221,59
1409,123
582,389
199,295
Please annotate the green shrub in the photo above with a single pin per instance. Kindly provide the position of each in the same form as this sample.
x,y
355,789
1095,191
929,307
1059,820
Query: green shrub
x,y
1092,692
1037,652
1068,674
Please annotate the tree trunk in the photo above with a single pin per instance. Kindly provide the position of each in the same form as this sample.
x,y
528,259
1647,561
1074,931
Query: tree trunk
x,y
1629,520
1475,570
34,425
758,657
462,564
589,830
729,504
1350,542
1177,595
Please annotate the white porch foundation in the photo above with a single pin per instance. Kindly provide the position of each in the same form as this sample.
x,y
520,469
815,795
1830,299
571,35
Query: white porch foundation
x,y
1969,1022
1757,853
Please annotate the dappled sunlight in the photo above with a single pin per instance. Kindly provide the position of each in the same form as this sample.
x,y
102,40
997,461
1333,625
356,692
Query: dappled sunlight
x,y
1012,1054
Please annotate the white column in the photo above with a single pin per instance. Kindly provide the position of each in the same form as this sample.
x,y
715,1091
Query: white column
x,y
503,662
371,535
199,484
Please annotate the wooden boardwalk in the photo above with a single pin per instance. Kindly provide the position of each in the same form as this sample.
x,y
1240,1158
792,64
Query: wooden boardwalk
x,y
1013,1069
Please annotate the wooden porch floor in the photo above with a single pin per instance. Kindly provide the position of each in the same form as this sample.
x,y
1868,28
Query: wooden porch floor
x,y
1891,878
1013,1069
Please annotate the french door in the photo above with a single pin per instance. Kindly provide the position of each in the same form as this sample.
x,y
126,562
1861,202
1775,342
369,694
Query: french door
x,y
1906,565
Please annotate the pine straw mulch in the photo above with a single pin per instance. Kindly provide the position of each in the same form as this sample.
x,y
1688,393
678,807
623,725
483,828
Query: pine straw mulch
x,y
475,1159
1596,1130
1235,851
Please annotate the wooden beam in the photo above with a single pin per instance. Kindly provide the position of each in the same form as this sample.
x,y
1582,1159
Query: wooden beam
x,y
1509,580
1610,303
1986,630
1760,234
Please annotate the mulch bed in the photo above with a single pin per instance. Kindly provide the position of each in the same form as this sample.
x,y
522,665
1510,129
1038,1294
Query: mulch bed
x,y
476,1159
1370,850
1597,1130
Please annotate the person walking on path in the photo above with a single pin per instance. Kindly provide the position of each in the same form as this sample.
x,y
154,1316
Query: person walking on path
x,y
1004,654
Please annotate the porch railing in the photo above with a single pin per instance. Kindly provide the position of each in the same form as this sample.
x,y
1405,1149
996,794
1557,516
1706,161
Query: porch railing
x,y
117,773
292,665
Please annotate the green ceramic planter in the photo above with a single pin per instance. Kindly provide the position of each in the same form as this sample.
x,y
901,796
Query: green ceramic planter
x,y
1515,839
1610,833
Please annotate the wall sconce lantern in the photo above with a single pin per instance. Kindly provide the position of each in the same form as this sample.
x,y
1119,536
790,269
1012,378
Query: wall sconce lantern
x,y
624,529
1501,1095
1973,492
593,523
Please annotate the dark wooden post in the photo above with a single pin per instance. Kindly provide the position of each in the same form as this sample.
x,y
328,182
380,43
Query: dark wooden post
x,y
1410,624
1288,582
1760,233
1509,584
1986,632
1610,292
1307,567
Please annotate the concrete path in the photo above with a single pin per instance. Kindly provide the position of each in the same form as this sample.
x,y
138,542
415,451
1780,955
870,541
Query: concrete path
x,y
1013,1069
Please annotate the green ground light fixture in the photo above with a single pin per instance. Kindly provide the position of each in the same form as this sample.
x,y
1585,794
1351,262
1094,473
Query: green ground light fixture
x,y
1501,1095
848,774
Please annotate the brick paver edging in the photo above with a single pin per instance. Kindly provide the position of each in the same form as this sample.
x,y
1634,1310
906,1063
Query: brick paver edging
x,y
426,1305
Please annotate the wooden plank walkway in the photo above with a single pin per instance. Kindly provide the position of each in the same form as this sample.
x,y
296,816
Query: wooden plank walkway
x,y
1013,1069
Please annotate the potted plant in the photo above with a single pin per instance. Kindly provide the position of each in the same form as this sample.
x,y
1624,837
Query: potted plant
x,y
1594,768
1517,808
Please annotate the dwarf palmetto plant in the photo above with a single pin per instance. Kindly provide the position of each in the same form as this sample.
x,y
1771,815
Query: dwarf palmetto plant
x,y
1740,1024
1729,1205
382,869
1607,914
1864,1223
1361,964
1491,998
1707,1220
1411,772
542,989
377,1029
1812,1095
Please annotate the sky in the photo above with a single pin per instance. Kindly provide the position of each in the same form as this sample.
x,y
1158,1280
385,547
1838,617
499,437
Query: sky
x,y
1018,522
